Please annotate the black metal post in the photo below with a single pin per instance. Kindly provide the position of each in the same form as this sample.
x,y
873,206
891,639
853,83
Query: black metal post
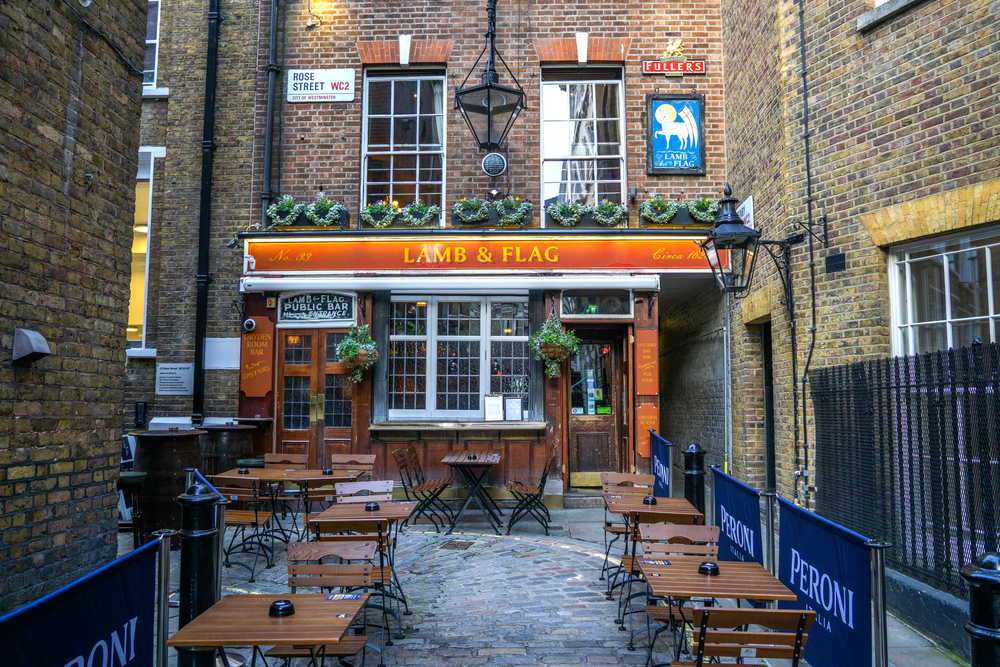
x,y
983,578
266,196
694,476
199,549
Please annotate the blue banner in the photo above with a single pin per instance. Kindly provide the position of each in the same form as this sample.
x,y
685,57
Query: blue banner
x,y
737,514
659,449
829,568
104,619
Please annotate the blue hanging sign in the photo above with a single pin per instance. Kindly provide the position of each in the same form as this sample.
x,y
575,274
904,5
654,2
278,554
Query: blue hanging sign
x,y
829,568
737,514
660,450
104,619
675,134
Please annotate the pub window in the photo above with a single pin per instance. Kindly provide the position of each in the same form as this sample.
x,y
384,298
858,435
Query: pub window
x,y
152,43
946,292
446,353
595,303
403,139
583,152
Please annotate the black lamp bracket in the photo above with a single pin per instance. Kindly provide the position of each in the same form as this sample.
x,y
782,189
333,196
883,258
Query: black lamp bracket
x,y
240,307
491,10
808,229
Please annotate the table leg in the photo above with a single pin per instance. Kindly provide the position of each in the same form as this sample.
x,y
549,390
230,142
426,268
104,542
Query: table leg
x,y
475,483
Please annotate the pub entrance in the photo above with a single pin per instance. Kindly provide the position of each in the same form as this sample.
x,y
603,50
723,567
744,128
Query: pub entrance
x,y
314,395
597,426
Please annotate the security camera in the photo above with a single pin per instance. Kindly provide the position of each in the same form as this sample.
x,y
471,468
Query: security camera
x,y
231,243
84,3
249,325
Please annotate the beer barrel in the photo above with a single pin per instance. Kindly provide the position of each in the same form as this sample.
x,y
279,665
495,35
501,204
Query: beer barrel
x,y
163,456
223,444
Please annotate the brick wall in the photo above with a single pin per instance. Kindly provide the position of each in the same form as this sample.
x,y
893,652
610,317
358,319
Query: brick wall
x,y
68,107
898,113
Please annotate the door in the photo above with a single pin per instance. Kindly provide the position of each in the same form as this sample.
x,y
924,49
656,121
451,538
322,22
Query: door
x,y
595,408
315,395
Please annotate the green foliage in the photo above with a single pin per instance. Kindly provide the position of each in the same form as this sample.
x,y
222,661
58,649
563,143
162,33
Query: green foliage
x,y
379,214
284,212
472,209
512,211
609,214
324,211
702,209
659,210
418,214
552,333
357,339
566,213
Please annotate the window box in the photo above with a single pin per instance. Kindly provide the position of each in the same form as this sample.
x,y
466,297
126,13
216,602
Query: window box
x,y
681,219
493,220
301,221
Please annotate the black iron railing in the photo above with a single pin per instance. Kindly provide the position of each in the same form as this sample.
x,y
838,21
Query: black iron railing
x,y
908,450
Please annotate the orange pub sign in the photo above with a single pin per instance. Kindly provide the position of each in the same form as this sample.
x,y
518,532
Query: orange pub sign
x,y
505,254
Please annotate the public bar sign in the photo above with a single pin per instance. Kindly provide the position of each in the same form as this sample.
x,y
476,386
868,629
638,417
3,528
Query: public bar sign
x,y
320,85
515,254
256,359
321,307
647,377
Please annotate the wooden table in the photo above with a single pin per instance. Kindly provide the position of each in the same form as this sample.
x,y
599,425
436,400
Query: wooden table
x,y
292,476
472,466
242,620
632,505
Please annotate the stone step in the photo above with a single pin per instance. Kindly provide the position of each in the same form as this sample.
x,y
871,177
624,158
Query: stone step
x,y
577,499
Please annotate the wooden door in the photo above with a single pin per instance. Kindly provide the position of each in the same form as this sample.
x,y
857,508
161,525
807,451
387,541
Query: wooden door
x,y
315,395
595,411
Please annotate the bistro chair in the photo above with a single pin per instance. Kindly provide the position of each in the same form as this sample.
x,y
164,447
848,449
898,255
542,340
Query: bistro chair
x,y
293,461
530,494
722,632
247,516
284,496
363,464
378,491
693,541
426,494
433,488
620,484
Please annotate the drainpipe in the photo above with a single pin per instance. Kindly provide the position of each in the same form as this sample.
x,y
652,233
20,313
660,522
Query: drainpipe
x,y
205,215
266,195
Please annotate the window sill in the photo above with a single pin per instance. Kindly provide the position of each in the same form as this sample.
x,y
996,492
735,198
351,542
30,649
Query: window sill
x,y
140,353
459,426
155,92
876,17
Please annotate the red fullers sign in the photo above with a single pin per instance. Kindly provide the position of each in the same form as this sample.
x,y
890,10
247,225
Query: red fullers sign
x,y
673,67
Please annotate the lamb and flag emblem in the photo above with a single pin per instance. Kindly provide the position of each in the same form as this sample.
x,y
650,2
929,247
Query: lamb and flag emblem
x,y
675,134
685,129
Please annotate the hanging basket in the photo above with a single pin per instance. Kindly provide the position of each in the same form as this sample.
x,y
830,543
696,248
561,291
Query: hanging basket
x,y
360,360
553,351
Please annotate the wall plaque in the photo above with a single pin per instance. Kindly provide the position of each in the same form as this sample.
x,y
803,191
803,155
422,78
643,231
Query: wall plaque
x,y
257,359
647,376
174,379
315,307
647,418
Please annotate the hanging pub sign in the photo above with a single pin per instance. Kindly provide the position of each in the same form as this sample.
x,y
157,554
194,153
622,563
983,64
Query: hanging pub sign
x,y
315,307
673,62
320,85
675,134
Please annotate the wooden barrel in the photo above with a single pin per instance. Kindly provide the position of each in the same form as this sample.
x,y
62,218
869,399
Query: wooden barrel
x,y
223,444
163,456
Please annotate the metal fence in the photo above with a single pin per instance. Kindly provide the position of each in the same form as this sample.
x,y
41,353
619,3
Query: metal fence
x,y
907,451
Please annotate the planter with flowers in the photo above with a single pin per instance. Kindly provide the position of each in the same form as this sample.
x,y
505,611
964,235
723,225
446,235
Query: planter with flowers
x,y
418,214
325,212
357,351
702,209
565,214
659,210
609,214
284,212
553,345
379,214
473,211
513,212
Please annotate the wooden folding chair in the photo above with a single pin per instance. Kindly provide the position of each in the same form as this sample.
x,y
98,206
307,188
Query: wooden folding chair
x,y
425,493
363,464
373,491
286,496
624,484
531,498
722,632
246,513
291,461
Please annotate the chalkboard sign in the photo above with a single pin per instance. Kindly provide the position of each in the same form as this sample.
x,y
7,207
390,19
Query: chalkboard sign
x,y
316,307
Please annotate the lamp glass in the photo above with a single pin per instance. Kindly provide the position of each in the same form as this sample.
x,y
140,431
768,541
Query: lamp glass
x,y
489,110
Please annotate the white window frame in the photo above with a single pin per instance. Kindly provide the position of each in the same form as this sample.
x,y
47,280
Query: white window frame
x,y
903,342
485,339
147,155
376,75
155,42
622,156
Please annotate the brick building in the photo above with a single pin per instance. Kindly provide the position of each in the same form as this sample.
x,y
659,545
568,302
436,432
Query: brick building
x,y
903,164
400,69
69,117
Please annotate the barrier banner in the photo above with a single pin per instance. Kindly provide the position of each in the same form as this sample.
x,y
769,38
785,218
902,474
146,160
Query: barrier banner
x,y
660,450
829,568
737,514
104,619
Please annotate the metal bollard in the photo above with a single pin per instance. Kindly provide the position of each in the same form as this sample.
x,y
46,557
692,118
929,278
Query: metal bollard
x,y
771,558
983,577
880,631
199,550
162,594
694,476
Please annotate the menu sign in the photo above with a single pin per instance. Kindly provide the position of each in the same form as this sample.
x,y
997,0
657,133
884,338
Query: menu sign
x,y
257,359
647,378
316,307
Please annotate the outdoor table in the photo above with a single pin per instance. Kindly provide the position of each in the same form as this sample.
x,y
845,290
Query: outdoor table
x,y
242,620
473,466
301,477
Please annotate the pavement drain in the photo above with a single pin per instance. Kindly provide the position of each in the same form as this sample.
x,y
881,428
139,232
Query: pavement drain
x,y
456,545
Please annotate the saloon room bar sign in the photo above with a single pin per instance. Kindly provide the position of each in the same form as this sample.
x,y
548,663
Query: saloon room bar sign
x,y
313,307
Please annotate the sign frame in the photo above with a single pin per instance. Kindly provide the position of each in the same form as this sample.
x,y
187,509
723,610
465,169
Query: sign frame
x,y
309,323
653,101
335,76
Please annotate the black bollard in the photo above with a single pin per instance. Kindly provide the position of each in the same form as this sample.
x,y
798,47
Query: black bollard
x,y
694,476
199,550
983,577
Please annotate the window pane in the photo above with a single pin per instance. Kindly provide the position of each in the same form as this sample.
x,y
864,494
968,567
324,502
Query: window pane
x,y
295,404
509,368
337,401
458,375
431,132
995,270
509,319
379,97
590,380
140,243
404,168
405,98
459,318
409,318
583,139
927,289
378,131
556,138
149,64
904,308
152,21
430,168
608,142
431,97
607,100
555,101
407,375
929,338
964,334
968,284
404,132
332,340
298,350
608,170
581,100
596,302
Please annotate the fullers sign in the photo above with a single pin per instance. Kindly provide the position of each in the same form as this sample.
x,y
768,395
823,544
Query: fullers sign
x,y
321,85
